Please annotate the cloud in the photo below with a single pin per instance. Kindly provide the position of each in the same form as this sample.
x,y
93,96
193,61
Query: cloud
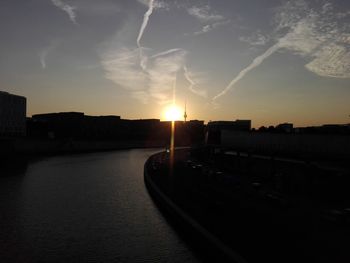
x,y
141,96
162,74
318,35
155,81
147,75
42,56
157,4
189,76
45,52
256,62
331,61
290,13
145,22
121,66
66,8
166,52
143,59
207,17
322,38
209,27
256,39
204,14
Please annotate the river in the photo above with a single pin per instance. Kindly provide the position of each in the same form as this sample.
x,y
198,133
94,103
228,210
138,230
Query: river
x,y
85,208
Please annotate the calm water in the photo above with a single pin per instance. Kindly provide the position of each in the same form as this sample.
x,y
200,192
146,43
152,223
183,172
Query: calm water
x,y
86,208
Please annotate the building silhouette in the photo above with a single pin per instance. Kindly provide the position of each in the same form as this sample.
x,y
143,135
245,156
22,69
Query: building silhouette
x,y
77,125
13,110
214,129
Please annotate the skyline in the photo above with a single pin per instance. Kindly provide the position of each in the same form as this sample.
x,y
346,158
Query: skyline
x,y
268,61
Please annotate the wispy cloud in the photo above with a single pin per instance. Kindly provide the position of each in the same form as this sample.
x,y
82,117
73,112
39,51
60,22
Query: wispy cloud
x,y
193,83
70,10
145,22
162,74
122,68
331,60
209,27
157,4
42,57
319,35
207,17
144,59
163,53
255,39
155,81
256,62
204,14
43,54
323,38
145,74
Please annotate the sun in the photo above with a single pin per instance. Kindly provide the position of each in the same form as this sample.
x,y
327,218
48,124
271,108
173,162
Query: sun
x,y
172,113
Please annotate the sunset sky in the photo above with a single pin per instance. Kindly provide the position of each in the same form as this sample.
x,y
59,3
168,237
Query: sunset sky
x,y
270,61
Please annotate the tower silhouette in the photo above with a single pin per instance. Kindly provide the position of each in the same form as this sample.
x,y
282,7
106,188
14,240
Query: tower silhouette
x,y
185,114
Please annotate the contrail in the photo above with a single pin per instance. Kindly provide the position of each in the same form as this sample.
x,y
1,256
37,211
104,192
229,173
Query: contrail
x,y
256,62
45,52
143,59
187,76
167,52
145,21
42,57
66,8
193,83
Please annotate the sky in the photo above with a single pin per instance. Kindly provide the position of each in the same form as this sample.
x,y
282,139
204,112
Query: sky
x,y
271,61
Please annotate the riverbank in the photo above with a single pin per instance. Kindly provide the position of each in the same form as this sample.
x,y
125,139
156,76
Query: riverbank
x,y
198,235
284,214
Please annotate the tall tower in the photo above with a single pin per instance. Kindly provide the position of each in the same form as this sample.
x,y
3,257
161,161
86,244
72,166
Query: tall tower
x,y
185,114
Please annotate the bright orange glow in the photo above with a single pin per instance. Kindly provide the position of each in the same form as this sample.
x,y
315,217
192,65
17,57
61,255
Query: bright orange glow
x,y
173,113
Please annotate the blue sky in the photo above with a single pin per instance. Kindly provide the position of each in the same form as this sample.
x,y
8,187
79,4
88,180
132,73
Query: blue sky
x,y
270,61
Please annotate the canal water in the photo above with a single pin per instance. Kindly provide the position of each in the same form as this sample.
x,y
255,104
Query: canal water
x,y
84,208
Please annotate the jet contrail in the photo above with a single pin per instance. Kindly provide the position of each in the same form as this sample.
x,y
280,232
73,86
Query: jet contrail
x,y
145,21
42,57
66,8
45,52
256,62
166,52
144,59
187,76
193,83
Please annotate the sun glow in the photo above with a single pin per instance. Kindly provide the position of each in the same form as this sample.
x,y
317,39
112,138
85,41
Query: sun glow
x,y
172,113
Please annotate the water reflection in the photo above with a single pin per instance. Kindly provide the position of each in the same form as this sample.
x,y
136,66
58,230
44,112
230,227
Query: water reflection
x,y
91,207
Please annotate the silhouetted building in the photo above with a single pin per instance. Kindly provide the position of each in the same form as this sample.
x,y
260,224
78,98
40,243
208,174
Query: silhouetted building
x,y
237,125
285,127
77,125
325,129
12,115
100,127
143,129
214,128
62,124
196,131
37,129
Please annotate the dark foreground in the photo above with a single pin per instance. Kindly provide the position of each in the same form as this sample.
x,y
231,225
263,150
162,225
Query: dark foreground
x,y
295,212
84,208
